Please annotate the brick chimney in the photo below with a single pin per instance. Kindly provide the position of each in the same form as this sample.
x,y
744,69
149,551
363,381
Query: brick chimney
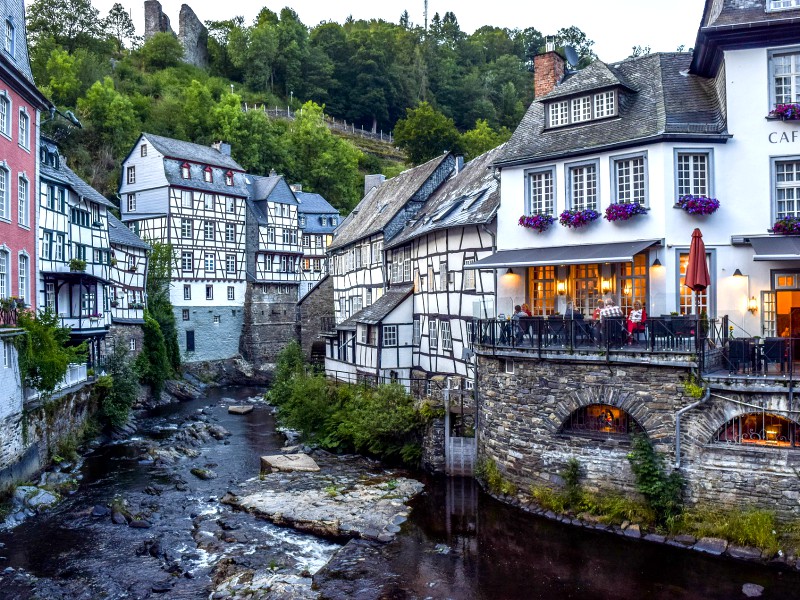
x,y
548,70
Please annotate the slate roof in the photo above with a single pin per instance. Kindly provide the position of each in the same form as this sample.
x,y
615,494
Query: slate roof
x,y
65,176
662,101
273,188
189,151
380,309
15,11
217,185
730,24
119,234
596,76
471,197
314,203
382,203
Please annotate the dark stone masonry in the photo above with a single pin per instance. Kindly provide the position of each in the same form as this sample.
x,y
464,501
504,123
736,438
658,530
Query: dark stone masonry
x,y
522,418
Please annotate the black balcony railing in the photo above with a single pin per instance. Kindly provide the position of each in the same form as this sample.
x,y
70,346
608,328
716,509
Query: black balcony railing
x,y
687,335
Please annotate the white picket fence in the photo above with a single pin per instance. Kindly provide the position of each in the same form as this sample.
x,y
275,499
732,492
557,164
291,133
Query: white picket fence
x,y
76,373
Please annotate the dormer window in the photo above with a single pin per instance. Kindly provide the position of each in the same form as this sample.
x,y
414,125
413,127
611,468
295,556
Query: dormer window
x,y
333,221
302,221
208,177
229,178
582,109
782,4
8,40
323,221
185,171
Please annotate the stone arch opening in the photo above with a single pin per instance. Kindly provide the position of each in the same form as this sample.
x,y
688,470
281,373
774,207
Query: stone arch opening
x,y
600,421
759,429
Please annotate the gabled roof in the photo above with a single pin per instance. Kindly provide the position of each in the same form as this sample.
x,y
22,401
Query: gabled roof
x,y
470,197
314,203
738,24
383,202
119,234
178,149
380,309
273,188
668,104
596,76
65,176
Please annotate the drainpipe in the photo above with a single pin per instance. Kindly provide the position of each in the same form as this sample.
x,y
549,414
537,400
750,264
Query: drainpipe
x,y
678,415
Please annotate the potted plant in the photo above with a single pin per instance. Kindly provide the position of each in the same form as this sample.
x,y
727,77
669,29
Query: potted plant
x,y
132,268
787,226
77,265
622,211
697,205
540,223
113,262
114,303
577,218
786,112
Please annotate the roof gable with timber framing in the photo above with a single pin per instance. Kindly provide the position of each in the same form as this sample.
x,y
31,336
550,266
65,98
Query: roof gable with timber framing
x,y
387,207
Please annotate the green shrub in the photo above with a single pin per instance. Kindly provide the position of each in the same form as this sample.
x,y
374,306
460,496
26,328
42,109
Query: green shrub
x,y
572,485
662,492
693,388
487,471
749,527
152,363
616,508
117,391
549,499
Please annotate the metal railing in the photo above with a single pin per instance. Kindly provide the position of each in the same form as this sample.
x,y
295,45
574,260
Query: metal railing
x,y
76,373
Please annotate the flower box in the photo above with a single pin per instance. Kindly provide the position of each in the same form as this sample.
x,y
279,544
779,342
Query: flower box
x,y
132,268
578,218
540,223
622,211
786,112
787,226
114,303
698,205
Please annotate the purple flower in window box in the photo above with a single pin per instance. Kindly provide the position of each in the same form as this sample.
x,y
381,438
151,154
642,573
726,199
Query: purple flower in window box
x,y
577,218
538,222
787,226
622,211
698,205
786,112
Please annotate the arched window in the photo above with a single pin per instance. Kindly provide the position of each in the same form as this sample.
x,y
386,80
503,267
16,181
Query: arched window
x,y
761,429
600,420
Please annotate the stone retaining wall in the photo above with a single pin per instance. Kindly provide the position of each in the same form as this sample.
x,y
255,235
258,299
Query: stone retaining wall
x,y
521,414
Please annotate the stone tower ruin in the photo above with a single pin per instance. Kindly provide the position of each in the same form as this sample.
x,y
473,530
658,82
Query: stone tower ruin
x,y
192,34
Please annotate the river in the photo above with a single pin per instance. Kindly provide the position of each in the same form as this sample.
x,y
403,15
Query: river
x,y
458,543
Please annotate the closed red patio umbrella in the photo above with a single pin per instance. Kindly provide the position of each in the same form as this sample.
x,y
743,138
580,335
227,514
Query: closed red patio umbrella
x,y
697,276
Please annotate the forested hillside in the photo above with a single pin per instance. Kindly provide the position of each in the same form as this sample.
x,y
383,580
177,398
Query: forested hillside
x,y
437,89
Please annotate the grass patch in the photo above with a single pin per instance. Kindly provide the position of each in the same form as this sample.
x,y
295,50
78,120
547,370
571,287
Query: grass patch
x,y
488,472
750,527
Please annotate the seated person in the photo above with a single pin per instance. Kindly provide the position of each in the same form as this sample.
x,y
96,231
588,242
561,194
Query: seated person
x,y
600,306
636,319
519,328
612,329
527,310
571,313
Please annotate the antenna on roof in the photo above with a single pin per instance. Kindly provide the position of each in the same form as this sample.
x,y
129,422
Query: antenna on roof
x,y
571,56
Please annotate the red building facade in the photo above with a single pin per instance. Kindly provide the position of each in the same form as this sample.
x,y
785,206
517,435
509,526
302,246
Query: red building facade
x,y
20,104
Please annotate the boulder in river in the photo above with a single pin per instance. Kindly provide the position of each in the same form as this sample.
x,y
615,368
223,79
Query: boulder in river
x,y
289,462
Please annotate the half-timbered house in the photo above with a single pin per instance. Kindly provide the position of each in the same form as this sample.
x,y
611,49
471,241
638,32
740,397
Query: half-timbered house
x,y
360,277
20,103
193,197
317,220
273,267
74,250
128,275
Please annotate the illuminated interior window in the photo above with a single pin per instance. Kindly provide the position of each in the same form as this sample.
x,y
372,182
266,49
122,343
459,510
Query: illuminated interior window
x,y
602,420
761,429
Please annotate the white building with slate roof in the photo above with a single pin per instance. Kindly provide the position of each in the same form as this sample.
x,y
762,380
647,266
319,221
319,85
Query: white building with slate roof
x,y
318,220
74,250
193,197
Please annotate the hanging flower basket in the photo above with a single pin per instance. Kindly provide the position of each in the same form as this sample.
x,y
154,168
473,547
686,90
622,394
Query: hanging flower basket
x,y
540,223
578,218
787,226
698,205
786,112
622,211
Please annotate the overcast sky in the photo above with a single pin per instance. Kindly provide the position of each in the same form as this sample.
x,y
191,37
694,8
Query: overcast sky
x,y
614,25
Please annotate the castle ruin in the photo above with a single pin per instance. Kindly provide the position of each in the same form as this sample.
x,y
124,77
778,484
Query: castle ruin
x,y
192,34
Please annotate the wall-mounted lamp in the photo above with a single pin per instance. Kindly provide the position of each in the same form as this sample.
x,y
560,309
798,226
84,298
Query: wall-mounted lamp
x,y
656,263
738,273
561,288
605,285
626,290
752,305
510,271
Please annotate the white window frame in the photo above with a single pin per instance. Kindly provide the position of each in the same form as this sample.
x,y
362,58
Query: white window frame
x,y
231,293
5,272
209,292
688,180
23,276
540,190
230,263
10,37
209,262
630,178
778,5
24,129
589,194
23,201
791,76
558,113
185,314
5,193
785,185
433,334
390,339
469,275
131,174
187,229
447,335
187,291
209,230
416,332
131,203
50,296
230,232
132,344
605,104
581,109
187,262
5,114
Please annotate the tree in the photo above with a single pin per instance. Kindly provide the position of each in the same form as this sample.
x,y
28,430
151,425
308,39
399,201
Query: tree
x,y
152,364
573,36
161,51
44,351
62,83
118,390
197,106
71,23
110,115
482,139
425,133
119,25
159,276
